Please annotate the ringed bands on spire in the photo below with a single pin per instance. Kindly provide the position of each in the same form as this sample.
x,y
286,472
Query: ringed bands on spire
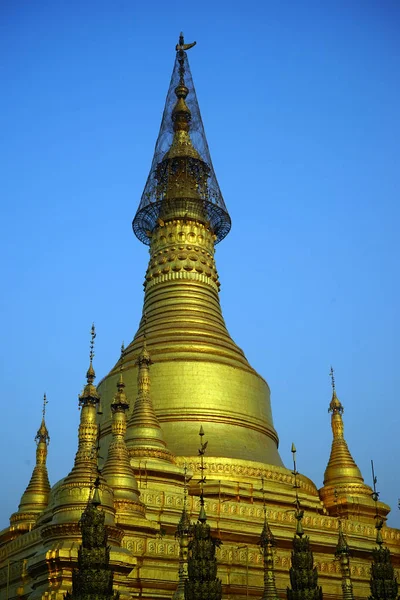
x,y
182,182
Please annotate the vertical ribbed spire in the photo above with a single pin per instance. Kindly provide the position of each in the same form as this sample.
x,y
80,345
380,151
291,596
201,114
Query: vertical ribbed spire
x,y
182,534
36,496
202,579
267,542
144,435
86,456
117,469
303,574
93,578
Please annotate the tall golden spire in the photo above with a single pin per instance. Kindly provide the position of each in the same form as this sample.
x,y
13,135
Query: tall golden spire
x,y
36,496
267,543
117,469
182,216
74,492
342,474
144,436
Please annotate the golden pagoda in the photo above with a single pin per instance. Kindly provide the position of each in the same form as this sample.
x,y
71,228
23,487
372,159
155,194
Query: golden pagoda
x,y
182,371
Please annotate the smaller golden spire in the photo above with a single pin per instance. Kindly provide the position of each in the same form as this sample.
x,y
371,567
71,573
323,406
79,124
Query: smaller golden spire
x,y
144,434
117,469
36,496
341,470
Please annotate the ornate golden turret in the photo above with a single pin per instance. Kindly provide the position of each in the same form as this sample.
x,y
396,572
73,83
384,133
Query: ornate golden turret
x,y
144,436
72,495
182,215
117,469
303,575
342,475
383,582
343,554
267,543
202,581
36,496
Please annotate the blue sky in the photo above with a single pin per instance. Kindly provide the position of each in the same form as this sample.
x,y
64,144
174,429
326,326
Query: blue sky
x,y
300,105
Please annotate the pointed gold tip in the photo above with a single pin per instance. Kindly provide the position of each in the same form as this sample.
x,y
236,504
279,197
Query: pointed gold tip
x,y
293,449
201,432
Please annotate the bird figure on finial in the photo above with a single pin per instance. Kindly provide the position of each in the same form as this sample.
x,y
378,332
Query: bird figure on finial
x,y
181,46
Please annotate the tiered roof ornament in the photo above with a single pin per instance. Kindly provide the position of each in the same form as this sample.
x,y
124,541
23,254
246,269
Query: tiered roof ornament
x,y
303,574
36,496
202,582
383,582
182,534
343,555
93,579
182,181
267,543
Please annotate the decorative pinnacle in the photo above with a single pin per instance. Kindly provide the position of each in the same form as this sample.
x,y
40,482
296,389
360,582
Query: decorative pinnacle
x,y
202,450
90,373
42,434
298,513
45,401
375,498
181,46
332,374
335,405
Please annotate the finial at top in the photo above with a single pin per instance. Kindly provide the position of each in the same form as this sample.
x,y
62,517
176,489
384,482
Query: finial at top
x,y
121,358
45,401
42,434
181,46
332,374
335,406
90,375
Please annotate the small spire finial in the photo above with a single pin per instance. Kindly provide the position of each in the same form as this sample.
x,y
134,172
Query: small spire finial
x,y
45,401
121,359
92,338
375,498
332,374
298,512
